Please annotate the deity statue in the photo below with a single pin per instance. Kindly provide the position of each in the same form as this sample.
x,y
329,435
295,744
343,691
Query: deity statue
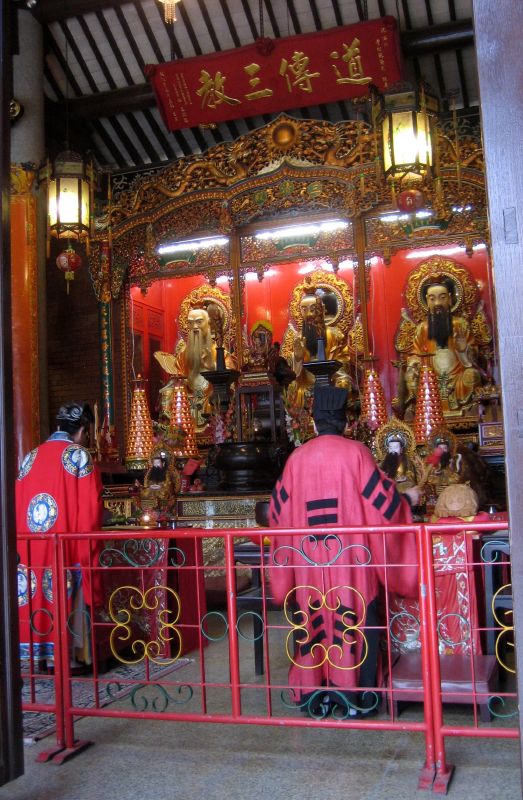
x,y
191,358
161,484
313,307
257,358
395,448
441,460
319,327
449,327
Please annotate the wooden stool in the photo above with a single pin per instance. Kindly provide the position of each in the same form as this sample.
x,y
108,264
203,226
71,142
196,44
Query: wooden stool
x,y
458,684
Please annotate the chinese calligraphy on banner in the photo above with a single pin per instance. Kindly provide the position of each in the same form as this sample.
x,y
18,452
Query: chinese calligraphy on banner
x,y
322,67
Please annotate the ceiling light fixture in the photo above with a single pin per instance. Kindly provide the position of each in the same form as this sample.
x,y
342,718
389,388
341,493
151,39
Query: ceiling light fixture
x,y
407,128
69,198
169,9
192,244
303,230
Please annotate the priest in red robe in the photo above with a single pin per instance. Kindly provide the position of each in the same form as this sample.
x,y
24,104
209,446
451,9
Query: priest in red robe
x,y
329,582
58,490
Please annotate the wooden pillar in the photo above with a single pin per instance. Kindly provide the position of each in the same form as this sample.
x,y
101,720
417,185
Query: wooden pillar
x,y
498,27
24,309
11,742
237,300
27,233
361,282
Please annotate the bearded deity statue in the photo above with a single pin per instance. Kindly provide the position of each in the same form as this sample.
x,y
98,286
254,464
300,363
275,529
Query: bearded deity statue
x,y
321,328
395,449
450,327
192,357
161,483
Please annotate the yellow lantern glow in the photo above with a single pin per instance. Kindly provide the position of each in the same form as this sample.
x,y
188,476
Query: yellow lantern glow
x,y
169,10
407,119
69,197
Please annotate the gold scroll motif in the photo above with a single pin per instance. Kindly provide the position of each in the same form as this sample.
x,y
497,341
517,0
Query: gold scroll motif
x,y
331,601
507,631
124,605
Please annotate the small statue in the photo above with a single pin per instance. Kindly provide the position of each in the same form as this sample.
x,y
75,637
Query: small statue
x,y
161,484
395,448
441,464
260,346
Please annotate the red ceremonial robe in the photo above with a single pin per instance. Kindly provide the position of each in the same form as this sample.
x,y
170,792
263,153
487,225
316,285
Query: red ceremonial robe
x,y
58,490
329,582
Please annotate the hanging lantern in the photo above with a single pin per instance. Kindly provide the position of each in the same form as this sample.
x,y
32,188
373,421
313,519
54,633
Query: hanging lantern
x,y
68,262
407,131
169,9
410,201
69,198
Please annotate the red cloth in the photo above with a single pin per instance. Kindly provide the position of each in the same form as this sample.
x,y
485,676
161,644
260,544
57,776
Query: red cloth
x,y
455,580
58,490
326,482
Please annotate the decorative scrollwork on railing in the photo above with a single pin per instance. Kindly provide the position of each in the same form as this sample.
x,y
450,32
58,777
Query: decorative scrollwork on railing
x,y
505,637
313,542
176,556
214,615
133,553
464,626
135,601
72,621
255,616
492,701
349,630
404,629
37,629
324,702
160,702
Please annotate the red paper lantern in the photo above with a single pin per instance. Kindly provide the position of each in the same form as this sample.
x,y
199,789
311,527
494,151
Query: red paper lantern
x,y
68,261
410,201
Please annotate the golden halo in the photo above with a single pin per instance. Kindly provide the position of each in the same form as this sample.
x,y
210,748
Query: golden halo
x,y
438,267
200,298
321,279
440,279
385,432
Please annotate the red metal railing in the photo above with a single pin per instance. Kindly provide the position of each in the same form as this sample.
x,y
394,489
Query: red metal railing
x,y
217,684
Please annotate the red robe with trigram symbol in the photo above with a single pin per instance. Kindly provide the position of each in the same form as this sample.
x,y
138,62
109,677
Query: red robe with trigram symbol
x,y
329,582
58,490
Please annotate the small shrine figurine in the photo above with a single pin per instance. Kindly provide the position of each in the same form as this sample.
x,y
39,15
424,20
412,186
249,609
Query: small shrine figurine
x,y
161,485
395,449
441,462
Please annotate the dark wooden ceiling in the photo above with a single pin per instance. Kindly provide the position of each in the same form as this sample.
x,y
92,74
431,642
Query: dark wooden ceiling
x,y
96,51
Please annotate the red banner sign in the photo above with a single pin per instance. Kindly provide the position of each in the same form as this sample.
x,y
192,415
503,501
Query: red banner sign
x,y
278,74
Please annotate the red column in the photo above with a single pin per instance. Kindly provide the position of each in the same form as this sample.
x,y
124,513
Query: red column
x,y
24,309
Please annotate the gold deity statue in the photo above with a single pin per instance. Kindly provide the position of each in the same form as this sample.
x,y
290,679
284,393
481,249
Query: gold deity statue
x,y
161,484
321,328
193,356
447,323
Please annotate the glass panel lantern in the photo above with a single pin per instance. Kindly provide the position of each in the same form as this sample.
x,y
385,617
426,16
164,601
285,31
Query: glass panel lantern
x,y
407,132
69,197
